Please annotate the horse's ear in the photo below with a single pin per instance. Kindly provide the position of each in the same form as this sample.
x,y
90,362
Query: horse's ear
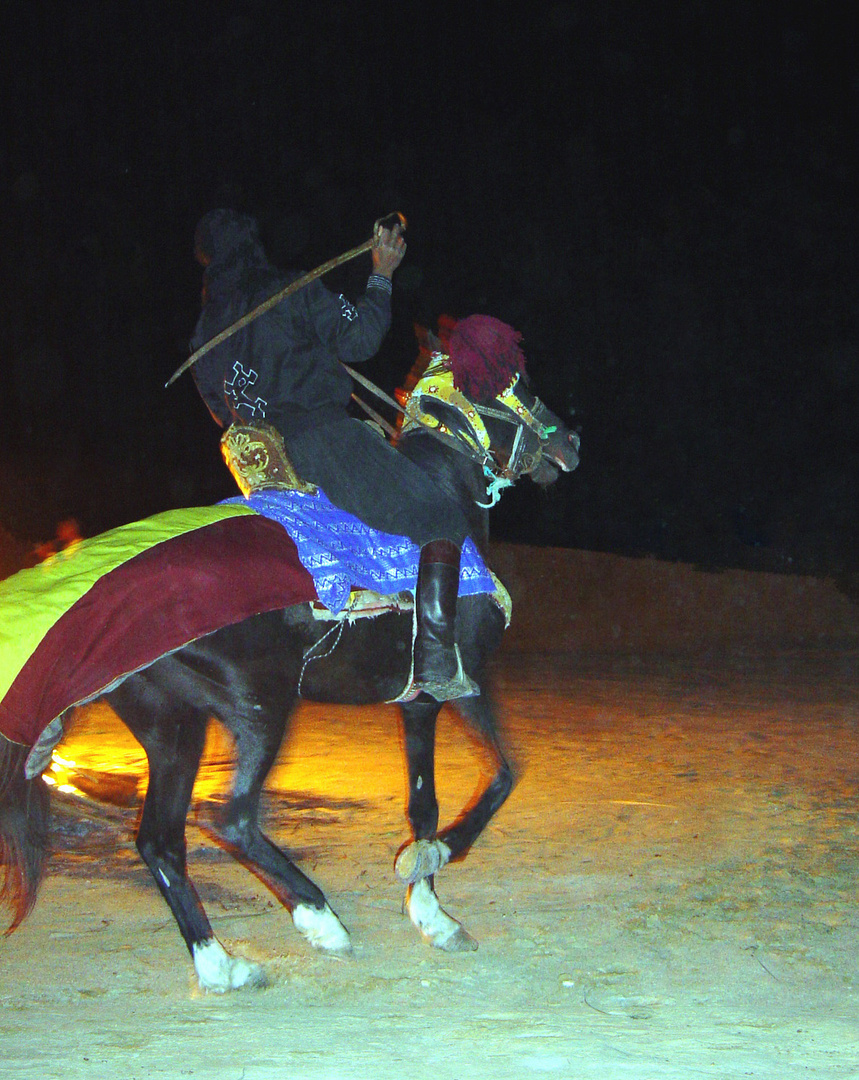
x,y
427,340
435,343
425,349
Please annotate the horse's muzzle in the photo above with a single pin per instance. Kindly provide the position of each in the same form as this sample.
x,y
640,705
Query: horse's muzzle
x,y
563,453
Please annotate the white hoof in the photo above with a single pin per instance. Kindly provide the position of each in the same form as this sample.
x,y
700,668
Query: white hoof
x,y
421,859
219,972
322,929
436,926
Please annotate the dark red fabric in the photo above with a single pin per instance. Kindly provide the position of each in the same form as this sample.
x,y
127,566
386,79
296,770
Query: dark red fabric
x,y
484,356
156,602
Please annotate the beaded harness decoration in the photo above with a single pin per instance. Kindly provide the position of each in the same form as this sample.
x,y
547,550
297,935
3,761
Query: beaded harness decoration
x,y
437,383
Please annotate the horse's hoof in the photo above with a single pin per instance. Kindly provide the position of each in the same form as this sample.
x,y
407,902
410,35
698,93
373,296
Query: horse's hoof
x,y
219,972
421,859
436,926
252,976
460,941
322,929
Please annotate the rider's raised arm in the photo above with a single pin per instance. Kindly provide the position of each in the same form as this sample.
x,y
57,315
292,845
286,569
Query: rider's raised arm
x,y
355,331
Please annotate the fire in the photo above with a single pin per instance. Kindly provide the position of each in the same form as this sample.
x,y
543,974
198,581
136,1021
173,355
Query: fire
x,y
59,774
108,782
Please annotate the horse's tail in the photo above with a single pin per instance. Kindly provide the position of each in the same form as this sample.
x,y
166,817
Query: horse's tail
x,y
23,832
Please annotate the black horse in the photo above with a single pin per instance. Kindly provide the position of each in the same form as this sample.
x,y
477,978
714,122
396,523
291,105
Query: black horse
x,y
250,675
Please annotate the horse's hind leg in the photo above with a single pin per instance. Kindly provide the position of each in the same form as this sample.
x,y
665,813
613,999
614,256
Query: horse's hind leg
x,y
258,736
173,737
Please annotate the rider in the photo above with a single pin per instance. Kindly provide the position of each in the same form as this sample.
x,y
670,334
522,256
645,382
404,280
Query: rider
x,y
284,367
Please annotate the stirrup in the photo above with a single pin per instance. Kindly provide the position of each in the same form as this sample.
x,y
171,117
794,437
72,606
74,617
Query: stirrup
x,y
459,685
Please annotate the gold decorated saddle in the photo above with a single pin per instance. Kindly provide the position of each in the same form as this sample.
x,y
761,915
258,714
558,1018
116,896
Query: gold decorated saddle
x,y
255,455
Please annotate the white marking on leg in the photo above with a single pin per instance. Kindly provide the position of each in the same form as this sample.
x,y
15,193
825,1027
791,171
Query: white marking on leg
x,y
419,783
437,927
322,928
164,877
426,913
219,972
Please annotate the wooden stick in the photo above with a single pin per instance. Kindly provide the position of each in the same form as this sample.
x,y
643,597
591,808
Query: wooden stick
x,y
267,305
392,220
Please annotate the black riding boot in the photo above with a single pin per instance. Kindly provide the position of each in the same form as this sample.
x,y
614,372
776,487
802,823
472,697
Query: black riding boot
x,y
438,667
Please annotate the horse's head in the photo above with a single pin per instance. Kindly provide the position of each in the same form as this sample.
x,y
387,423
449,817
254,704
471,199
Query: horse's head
x,y
470,391
536,441
511,435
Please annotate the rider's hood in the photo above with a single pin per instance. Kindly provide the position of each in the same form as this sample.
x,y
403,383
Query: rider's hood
x,y
227,237
227,244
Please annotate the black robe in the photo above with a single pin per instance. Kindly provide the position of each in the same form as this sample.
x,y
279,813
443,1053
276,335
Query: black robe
x,y
285,367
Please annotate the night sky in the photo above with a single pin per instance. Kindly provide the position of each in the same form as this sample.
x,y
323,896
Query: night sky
x,y
662,197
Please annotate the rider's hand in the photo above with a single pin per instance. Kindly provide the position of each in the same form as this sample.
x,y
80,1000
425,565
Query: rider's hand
x,y
388,250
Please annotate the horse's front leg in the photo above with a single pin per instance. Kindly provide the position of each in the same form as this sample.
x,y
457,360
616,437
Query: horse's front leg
x,y
480,626
419,860
480,714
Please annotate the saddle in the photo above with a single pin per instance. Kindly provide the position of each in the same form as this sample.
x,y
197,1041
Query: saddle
x,y
255,455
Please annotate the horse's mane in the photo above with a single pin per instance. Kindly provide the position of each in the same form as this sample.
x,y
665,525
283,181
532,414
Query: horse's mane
x,y
428,343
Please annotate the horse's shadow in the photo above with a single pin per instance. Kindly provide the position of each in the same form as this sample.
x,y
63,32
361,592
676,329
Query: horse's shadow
x,y
99,828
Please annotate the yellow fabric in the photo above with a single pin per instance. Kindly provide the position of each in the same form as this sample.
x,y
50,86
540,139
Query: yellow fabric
x,y
32,600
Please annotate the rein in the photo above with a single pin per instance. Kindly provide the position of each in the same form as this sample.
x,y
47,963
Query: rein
x,y
498,475
450,441
380,394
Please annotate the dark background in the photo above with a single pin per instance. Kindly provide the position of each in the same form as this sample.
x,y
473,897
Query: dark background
x,y
660,196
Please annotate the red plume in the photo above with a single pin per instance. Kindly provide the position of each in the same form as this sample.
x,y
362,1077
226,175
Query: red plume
x,y
484,357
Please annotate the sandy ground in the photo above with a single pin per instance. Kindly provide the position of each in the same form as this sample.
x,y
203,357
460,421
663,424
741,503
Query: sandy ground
x,y
670,892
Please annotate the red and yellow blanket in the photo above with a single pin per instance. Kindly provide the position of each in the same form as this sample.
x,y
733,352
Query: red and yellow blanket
x,y
81,621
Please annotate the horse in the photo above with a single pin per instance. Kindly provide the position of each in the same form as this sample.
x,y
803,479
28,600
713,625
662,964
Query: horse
x,y
250,676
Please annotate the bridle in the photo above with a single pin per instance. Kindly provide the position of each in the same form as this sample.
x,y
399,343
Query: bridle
x,y
513,410
467,434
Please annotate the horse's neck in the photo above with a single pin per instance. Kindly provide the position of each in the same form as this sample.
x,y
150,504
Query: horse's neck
x,y
471,476
457,476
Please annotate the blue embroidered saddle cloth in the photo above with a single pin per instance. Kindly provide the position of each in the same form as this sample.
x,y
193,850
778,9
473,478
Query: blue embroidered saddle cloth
x,y
341,552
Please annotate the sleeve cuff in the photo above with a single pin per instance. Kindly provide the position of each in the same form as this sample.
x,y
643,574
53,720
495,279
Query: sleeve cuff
x,y
376,281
